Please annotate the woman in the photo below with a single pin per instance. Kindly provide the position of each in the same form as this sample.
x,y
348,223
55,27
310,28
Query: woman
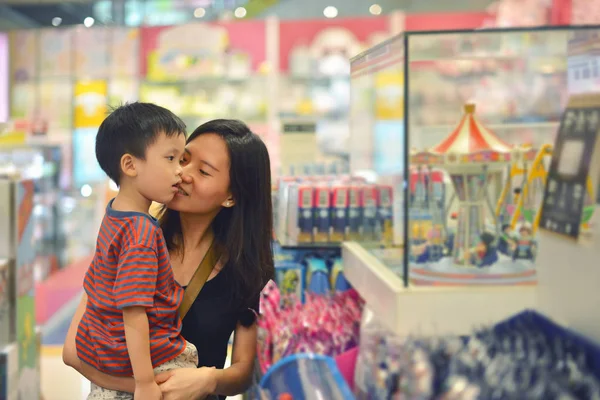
x,y
225,196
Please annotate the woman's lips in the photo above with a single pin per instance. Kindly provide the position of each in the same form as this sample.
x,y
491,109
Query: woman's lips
x,y
181,192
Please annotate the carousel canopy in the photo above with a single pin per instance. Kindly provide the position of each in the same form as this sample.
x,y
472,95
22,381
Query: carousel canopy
x,y
470,136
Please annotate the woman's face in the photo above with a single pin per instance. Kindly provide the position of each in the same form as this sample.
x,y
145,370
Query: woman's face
x,y
205,186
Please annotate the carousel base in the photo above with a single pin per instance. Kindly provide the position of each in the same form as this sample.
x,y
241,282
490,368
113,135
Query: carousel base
x,y
446,273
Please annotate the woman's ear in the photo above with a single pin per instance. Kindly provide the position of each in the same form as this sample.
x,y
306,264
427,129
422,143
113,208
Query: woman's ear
x,y
128,166
230,202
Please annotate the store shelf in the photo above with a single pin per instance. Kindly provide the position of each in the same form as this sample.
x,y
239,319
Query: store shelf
x,y
429,310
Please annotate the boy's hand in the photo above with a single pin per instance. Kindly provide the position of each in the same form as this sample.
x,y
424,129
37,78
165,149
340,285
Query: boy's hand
x,y
147,391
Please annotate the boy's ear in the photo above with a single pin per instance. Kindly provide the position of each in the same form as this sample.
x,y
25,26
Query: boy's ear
x,y
128,167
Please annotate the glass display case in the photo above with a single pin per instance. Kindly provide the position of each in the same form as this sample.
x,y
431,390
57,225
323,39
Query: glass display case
x,y
42,165
456,129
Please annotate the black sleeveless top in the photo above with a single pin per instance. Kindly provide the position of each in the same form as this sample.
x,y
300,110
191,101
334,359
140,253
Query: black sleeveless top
x,y
213,317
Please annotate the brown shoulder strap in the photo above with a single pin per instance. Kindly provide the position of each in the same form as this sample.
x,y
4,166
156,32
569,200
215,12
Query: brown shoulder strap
x,y
198,280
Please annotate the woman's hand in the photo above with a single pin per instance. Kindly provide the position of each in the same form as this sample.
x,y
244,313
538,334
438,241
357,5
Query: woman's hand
x,y
188,383
147,391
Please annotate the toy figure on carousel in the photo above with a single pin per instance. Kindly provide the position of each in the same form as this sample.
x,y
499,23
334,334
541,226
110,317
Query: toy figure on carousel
x,y
485,253
507,242
526,246
434,248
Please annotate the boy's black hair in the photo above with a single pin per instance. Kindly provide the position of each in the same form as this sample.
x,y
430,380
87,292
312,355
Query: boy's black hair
x,y
130,129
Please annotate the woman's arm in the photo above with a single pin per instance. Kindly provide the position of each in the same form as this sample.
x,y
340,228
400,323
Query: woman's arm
x,y
70,358
238,377
198,383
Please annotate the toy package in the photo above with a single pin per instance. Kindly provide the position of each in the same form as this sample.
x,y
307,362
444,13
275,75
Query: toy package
x,y
305,214
321,218
369,223
291,278
339,212
385,213
518,360
316,210
355,213
327,325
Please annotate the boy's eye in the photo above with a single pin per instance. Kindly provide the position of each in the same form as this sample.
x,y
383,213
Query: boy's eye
x,y
170,158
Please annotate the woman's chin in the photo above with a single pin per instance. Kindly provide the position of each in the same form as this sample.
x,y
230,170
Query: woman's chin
x,y
176,203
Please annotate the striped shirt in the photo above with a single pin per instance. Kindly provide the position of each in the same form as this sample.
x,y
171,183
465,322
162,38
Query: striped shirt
x,y
130,268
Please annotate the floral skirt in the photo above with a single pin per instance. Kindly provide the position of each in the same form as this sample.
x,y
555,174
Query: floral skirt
x,y
187,359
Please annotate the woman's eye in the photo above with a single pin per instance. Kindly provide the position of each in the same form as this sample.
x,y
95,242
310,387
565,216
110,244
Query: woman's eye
x,y
203,172
183,161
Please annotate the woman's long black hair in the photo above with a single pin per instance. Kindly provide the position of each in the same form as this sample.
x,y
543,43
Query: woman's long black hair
x,y
245,231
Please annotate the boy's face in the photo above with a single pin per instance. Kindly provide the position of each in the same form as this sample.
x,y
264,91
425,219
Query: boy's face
x,y
160,173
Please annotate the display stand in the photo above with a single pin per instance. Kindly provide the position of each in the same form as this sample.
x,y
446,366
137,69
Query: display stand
x,y
568,282
19,358
429,310
438,296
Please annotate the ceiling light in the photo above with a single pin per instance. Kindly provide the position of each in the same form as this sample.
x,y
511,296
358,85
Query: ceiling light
x,y
240,12
375,9
86,190
88,22
56,21
330,12
199,12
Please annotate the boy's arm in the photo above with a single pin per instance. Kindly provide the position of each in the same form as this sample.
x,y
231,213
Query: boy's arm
x,y
134,289
137,336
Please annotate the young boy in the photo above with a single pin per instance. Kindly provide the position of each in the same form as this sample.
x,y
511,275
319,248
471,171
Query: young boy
x,y
131,325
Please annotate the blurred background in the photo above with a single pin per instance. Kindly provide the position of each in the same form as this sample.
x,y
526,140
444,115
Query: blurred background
x,y
284,67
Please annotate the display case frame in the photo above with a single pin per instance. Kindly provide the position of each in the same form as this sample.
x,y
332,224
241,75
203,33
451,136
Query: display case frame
x,y
390,294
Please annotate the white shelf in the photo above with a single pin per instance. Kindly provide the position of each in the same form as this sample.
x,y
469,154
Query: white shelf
x,y
569,280
429,310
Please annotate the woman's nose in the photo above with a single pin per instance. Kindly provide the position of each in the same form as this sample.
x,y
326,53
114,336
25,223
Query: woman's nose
x,y
186,177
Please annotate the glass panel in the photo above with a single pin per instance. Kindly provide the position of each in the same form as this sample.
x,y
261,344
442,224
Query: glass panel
x,y
488,105
483,113
377,150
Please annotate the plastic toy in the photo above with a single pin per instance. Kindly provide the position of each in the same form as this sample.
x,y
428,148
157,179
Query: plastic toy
x,y
291,280
322,325
317,276
338,281
526,247
302,376
525,357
